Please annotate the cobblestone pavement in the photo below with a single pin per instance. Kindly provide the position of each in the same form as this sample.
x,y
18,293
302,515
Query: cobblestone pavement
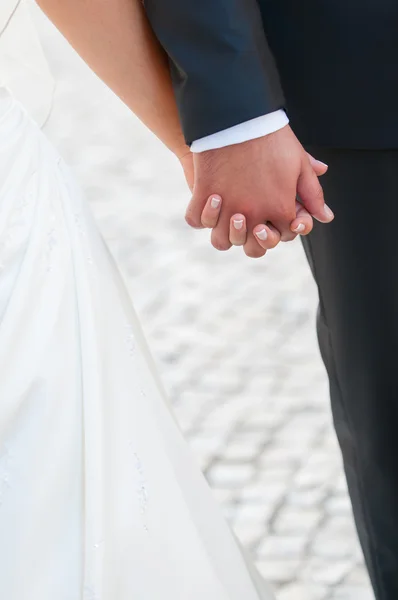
x,y
235,343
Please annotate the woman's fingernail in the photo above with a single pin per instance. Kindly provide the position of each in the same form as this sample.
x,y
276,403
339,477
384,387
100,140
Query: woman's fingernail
x,y
328,212
262,234
215,202
299,228
322,163
238,224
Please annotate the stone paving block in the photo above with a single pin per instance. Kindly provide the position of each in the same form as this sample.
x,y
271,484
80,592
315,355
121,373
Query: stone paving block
x,y
240,452
257,513
357,576
329,546
306,498
345,592
314,478
279,571
261,492
232,475
276,473
300,591
326,572
291,520
241,435
279,453
338,505
281,546
341,524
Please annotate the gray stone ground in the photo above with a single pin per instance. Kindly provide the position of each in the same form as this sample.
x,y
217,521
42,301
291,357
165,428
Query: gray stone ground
x,y
234,340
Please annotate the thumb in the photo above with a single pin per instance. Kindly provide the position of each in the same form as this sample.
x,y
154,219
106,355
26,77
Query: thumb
x,y
311,196
319,167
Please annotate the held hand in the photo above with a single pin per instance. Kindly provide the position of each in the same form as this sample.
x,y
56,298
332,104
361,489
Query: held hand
x,y
267,236
259,179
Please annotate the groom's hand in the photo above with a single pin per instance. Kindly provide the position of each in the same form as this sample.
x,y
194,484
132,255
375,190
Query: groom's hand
x,y
259,179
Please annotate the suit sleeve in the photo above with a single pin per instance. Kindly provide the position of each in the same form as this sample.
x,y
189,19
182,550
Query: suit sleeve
x,y
222,68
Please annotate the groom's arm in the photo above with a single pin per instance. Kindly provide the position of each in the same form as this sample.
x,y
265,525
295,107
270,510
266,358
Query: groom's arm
x,y
223,71
224,75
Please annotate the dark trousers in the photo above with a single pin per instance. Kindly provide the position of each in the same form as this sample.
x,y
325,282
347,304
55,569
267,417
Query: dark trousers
x,y
355,264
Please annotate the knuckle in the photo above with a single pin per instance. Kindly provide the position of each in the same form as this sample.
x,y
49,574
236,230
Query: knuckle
x,y
252,214
318,193
286,214
315,190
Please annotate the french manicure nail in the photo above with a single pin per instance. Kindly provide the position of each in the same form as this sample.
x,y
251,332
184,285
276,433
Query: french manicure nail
x,y
238,224
262,235
299,228
328,212
215,202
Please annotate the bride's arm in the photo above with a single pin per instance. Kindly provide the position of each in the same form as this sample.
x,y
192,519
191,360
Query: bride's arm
x,y
115,39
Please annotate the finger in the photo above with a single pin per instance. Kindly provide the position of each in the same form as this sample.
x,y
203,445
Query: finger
x,y
193,214
211,211
285,214
283,224
252,248
267,236
237,230
220,242
303,223
220,233
319,167
288,236
311,195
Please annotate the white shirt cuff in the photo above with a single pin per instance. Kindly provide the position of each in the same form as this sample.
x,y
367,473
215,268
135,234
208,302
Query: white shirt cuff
x,y
250,130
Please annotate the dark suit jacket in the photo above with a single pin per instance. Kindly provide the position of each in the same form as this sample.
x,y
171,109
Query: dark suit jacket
x,y
333,64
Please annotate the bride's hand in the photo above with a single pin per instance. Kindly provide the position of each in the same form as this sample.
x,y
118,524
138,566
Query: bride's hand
x,y
186,161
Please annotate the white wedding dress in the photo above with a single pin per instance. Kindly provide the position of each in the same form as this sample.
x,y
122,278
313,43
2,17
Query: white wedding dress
x,y
99,496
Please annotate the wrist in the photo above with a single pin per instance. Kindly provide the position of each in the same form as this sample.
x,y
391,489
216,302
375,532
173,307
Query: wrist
x,y
181,151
